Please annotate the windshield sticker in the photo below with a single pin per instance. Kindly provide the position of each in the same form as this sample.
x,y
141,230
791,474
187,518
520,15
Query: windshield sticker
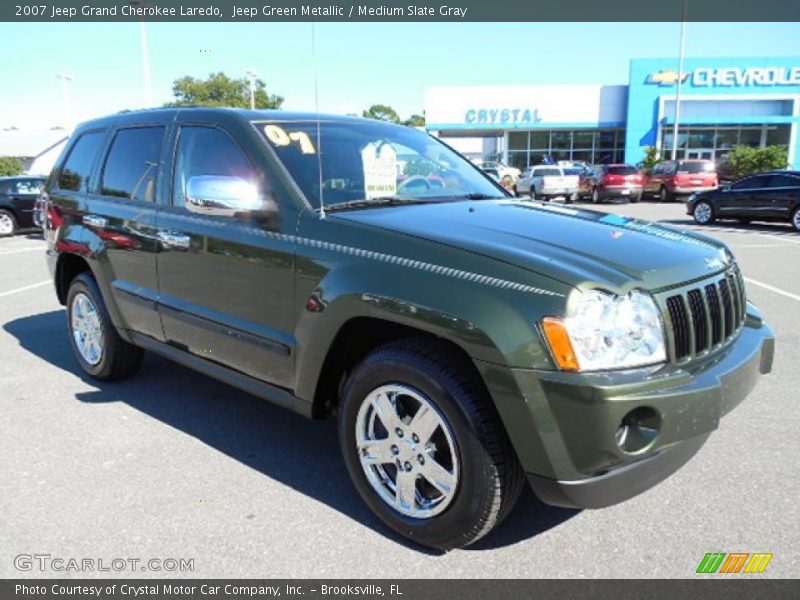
x,y
380,170
280,137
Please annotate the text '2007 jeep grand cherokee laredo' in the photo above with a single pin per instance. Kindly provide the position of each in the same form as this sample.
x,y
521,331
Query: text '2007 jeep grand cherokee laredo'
x,y
465,340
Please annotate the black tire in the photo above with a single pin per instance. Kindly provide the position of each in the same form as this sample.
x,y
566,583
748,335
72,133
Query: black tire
x,y
703,213
9,218
119,358
595,196
635,198
490,477
570,198
532,193
796,219
664,195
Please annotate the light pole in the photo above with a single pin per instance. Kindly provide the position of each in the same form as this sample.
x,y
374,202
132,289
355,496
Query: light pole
x,y
251,75
66,79
148,84
679,82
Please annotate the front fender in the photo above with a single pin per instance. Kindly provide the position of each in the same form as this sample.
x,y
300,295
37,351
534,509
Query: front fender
x,y
491,324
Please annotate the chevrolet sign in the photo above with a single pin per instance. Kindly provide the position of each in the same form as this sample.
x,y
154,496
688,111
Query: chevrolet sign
x,y
730,76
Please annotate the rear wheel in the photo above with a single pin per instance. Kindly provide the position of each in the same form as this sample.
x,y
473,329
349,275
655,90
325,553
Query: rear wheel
x,y
100,351
664,194
8,224
595,196
634,198
796,219
532,193
424,445
703,213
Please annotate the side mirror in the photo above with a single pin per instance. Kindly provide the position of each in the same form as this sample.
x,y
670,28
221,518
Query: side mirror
x,y
224,196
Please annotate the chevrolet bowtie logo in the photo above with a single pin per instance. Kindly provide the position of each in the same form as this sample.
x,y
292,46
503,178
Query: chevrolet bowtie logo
x,y
666,77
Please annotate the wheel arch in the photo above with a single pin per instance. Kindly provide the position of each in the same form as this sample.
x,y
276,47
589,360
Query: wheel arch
x,y
68,266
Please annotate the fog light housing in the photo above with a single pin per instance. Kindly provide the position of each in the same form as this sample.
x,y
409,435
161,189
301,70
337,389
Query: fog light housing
x,y
638,430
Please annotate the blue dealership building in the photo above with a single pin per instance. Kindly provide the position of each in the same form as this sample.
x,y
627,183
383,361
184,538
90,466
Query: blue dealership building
x,y
725,102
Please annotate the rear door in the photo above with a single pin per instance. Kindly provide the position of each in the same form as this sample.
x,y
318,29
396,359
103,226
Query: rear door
x,y
225,282
785,191
22,194
122,213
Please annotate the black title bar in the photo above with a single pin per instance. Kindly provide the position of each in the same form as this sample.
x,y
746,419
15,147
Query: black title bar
x,y
400,10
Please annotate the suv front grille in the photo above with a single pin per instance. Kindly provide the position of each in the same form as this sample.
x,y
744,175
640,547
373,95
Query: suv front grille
x,y
705,315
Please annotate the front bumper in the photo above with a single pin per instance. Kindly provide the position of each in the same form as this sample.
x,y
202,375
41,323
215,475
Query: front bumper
x,y
564,432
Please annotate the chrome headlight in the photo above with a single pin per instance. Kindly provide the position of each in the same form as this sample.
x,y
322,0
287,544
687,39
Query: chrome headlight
x,y
606,331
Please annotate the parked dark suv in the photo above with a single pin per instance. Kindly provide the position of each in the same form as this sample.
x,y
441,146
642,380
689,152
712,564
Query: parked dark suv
x,y
463,339
17,202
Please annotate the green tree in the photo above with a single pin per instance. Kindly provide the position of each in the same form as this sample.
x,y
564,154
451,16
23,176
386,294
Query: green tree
x,y
650,159
9,166
415,121
746,160
221,90
381,112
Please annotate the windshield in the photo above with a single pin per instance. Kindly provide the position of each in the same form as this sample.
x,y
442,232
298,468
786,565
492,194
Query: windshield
x,y
371,160
696,167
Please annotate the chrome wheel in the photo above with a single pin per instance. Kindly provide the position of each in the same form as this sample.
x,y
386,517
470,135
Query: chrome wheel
x,y
595,196
406,450
702,213
6,224
86,329
796,219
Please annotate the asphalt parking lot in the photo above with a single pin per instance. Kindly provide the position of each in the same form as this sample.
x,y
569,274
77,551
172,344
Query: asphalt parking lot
x,y
171,464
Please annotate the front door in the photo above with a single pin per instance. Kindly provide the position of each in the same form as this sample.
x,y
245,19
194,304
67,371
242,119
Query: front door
x,y
225,282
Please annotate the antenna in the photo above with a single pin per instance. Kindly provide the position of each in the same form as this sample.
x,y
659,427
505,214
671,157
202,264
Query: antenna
x,y
316,110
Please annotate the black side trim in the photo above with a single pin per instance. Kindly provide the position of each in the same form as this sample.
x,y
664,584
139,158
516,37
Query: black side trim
x,y
618,484
261,389
220,329
134,295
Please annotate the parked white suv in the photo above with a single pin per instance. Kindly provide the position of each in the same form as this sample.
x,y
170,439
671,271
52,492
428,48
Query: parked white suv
x,y
545,182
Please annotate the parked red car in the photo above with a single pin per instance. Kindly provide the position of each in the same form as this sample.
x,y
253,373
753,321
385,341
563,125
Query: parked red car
x,y
617,182
675,178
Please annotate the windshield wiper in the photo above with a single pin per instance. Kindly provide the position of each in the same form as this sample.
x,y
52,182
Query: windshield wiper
x,y
478,196
371,202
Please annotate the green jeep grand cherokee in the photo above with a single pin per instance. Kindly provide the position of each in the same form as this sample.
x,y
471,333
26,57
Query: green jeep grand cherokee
x,y
465,341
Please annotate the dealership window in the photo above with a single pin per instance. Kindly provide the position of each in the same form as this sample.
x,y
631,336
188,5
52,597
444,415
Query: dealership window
x,y
715,141
527,148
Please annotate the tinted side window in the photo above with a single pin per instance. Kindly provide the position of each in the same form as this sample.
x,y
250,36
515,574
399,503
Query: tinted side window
x,y
132,165
29,186
757,181
78,166
207,151
783,181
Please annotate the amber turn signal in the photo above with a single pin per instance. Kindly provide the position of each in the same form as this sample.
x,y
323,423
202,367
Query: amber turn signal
x,y
560,345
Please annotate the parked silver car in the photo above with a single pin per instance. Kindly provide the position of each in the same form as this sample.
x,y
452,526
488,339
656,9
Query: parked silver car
x,y
544,182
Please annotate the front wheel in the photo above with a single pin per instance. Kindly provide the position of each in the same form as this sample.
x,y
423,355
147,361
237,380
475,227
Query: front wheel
x,y
424,445
796,219
703,213
664,194
595,196
100,351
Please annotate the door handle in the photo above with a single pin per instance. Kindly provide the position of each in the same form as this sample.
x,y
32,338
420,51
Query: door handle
x,y
174,239
95,221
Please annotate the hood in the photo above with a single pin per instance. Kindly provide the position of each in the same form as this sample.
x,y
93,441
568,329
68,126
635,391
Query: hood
x,y
574,246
